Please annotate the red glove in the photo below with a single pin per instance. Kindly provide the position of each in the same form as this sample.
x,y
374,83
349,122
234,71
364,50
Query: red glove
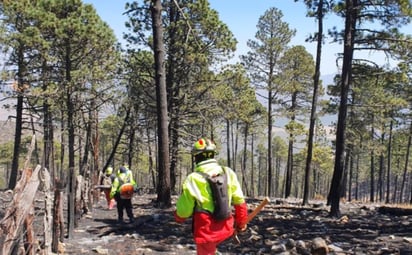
x,y
179,219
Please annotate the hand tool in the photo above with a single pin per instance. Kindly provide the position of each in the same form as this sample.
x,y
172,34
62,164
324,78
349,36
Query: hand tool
x,y
265,201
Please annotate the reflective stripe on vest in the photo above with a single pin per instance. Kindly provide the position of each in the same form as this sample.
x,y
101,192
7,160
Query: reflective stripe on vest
x,y
192,187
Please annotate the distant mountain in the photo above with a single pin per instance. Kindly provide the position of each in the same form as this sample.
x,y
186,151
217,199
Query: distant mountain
x,y
327,79
7,126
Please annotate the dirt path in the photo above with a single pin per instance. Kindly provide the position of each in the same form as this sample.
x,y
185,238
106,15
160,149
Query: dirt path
x,y
153,232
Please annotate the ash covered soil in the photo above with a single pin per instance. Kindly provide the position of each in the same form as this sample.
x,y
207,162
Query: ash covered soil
x,y
282,227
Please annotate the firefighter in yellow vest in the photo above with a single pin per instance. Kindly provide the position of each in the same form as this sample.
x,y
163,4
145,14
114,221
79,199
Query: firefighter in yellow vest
x,y
196,201
122,191
107,179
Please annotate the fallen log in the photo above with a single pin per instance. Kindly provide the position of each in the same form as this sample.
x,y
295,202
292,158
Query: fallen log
x,y
397,211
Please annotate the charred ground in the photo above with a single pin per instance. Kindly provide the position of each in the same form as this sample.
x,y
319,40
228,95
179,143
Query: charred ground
x,y
282,227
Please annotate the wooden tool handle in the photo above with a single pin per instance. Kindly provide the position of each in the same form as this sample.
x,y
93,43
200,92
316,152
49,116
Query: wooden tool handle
x,y
257,209
251,216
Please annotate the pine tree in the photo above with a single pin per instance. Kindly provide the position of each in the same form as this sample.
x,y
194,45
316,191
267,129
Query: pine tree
x,y
261,61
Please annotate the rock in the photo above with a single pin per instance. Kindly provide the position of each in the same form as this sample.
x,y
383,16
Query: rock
x,y
344,219
290,243
301,248
334,248
301,244
407,240
270,242
135,236
277,248
319,246
99,250
273,231
405,223
61,248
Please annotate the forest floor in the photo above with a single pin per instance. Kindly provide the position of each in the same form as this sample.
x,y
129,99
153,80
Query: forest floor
x,y
282,227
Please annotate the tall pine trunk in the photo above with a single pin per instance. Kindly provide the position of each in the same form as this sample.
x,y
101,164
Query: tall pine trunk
x,y
372,166
388,170
381,171
163,189
349,36
313,115
405,168
228,142
244,172
269,157
19,88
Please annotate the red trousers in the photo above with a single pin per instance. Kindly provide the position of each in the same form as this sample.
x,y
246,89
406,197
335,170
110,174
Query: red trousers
x,y
110,202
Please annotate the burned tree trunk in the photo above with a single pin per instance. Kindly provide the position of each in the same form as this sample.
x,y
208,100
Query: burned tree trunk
x,y
48,216
18,210
58,226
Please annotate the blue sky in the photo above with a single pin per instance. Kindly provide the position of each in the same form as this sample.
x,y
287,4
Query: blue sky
x,y
241,16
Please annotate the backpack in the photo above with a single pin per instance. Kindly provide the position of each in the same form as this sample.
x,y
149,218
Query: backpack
x,y
218,185
107,180
126,189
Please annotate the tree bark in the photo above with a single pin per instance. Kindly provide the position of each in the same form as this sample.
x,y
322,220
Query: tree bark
x,y
19,87
19,209
372,166
388,170
350,28
252,166
29,241
313,113
119,137
243,168
381,174
228,142
48,216
405,168
57,228
163,189
269,157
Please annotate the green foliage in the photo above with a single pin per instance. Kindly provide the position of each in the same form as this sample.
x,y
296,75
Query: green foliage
x,y
296,81
109,129
6,152
296,72
323,158
295,128
272,38
236,97
378,24
281,147
195,40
